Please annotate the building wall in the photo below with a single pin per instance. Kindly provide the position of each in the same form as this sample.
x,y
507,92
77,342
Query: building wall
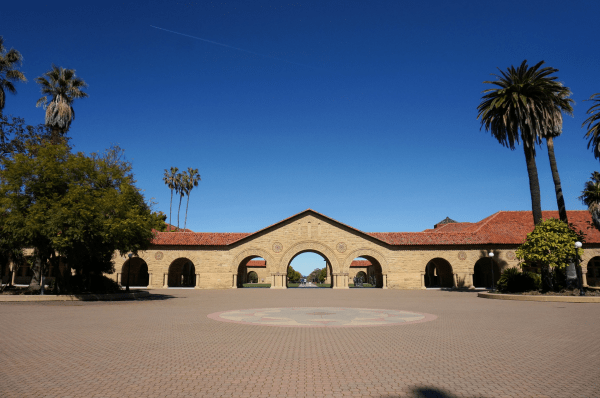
x,y
402,267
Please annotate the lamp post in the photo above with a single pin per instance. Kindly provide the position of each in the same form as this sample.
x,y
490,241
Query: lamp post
x,y
579,270
491,254
128,271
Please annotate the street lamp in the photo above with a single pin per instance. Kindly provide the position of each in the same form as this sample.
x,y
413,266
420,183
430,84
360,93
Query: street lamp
x,y
128,271
579,270
491,254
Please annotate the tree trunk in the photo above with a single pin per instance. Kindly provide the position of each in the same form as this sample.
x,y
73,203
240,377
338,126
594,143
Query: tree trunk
x,y
170,207
560,201
179,210
186,209
534,185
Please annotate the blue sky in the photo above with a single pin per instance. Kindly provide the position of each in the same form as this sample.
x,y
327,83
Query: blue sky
x,y
363,111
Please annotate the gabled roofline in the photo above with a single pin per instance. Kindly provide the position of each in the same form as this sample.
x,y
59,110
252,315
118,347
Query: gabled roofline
x,y
302,213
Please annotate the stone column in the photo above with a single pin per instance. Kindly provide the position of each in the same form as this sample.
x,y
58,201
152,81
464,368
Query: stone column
x,y
584,277
234,281
197,281
384,281
283,281
454,284
149,280
471,283
119,277
423,281
165,280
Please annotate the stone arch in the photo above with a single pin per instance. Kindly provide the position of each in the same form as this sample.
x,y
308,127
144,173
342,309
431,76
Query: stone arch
x,y
482,272
252,252
182,273
438,272
137,271
252,277
309,246
592,271
365,253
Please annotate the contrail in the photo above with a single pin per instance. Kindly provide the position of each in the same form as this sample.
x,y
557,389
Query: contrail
x,y
233,48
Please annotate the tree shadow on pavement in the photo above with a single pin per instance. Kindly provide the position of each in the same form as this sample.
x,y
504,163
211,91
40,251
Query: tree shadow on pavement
x,y
427,392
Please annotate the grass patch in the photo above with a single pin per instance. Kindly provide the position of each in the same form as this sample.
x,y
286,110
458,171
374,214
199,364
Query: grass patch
x,y
259,285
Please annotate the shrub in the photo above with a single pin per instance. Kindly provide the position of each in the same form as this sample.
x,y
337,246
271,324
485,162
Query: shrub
x,y
513,280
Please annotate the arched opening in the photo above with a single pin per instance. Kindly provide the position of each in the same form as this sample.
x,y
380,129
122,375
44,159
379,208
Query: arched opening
x,y
312,266
438,273
482,272
182,273
252,277
593,272
252,270
370,271
136,270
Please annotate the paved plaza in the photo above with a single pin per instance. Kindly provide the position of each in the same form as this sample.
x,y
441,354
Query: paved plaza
x,y
168,346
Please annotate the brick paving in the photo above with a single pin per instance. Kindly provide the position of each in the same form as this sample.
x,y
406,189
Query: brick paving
x,y
168,347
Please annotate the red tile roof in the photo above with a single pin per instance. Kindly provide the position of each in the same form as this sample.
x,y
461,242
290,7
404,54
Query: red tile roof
x,y
360,263
504,227
173,228
256,263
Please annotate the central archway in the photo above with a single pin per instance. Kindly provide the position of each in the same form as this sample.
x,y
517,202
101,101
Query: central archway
x,y
308,264
337,281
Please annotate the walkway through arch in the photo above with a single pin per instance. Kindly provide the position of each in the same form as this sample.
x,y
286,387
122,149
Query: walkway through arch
x,y
182,273
136,270
438,273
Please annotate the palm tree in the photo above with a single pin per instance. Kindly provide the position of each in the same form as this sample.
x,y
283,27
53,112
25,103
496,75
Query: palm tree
x,y
562,103
193,177
10,60
591,197
180,184
522,108
169,179
63,87
593,125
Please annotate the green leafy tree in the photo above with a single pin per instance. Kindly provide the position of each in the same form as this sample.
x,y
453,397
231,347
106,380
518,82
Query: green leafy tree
x,y
170,179
60,88
593,125
10,61
591,198
16,136
551,244
322,275
522,108
293,275
81,208
193,177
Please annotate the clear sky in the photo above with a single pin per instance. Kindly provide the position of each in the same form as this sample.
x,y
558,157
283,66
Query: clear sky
x,y
364,111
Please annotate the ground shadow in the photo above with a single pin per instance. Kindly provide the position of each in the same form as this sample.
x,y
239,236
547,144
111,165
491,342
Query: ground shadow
x,y
427,392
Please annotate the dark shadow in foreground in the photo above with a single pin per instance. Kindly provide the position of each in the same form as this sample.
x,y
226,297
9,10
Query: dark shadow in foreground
x,y
427,392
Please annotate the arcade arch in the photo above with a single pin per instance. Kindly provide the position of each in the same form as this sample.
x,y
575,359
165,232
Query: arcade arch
x,y
136,270
593,271
374,272
182,273
252,277
482,272
243,275
439,273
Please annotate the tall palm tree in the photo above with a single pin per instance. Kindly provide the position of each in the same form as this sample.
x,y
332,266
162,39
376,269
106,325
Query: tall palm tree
x,y
169,179
521,108
593,125
180,188
591,197
193,177
63,87
10,60
562,104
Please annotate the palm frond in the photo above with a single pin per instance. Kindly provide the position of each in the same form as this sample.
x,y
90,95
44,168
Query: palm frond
x,y
593,125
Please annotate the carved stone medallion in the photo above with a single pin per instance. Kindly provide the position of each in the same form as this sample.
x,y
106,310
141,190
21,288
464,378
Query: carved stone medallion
x,y
158,255
341,247
510,255
277,247
462,255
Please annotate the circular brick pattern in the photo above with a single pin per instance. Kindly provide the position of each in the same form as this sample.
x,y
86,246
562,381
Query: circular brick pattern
x,y
277,247
462,255
510,255
159,255
341,247
321,317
